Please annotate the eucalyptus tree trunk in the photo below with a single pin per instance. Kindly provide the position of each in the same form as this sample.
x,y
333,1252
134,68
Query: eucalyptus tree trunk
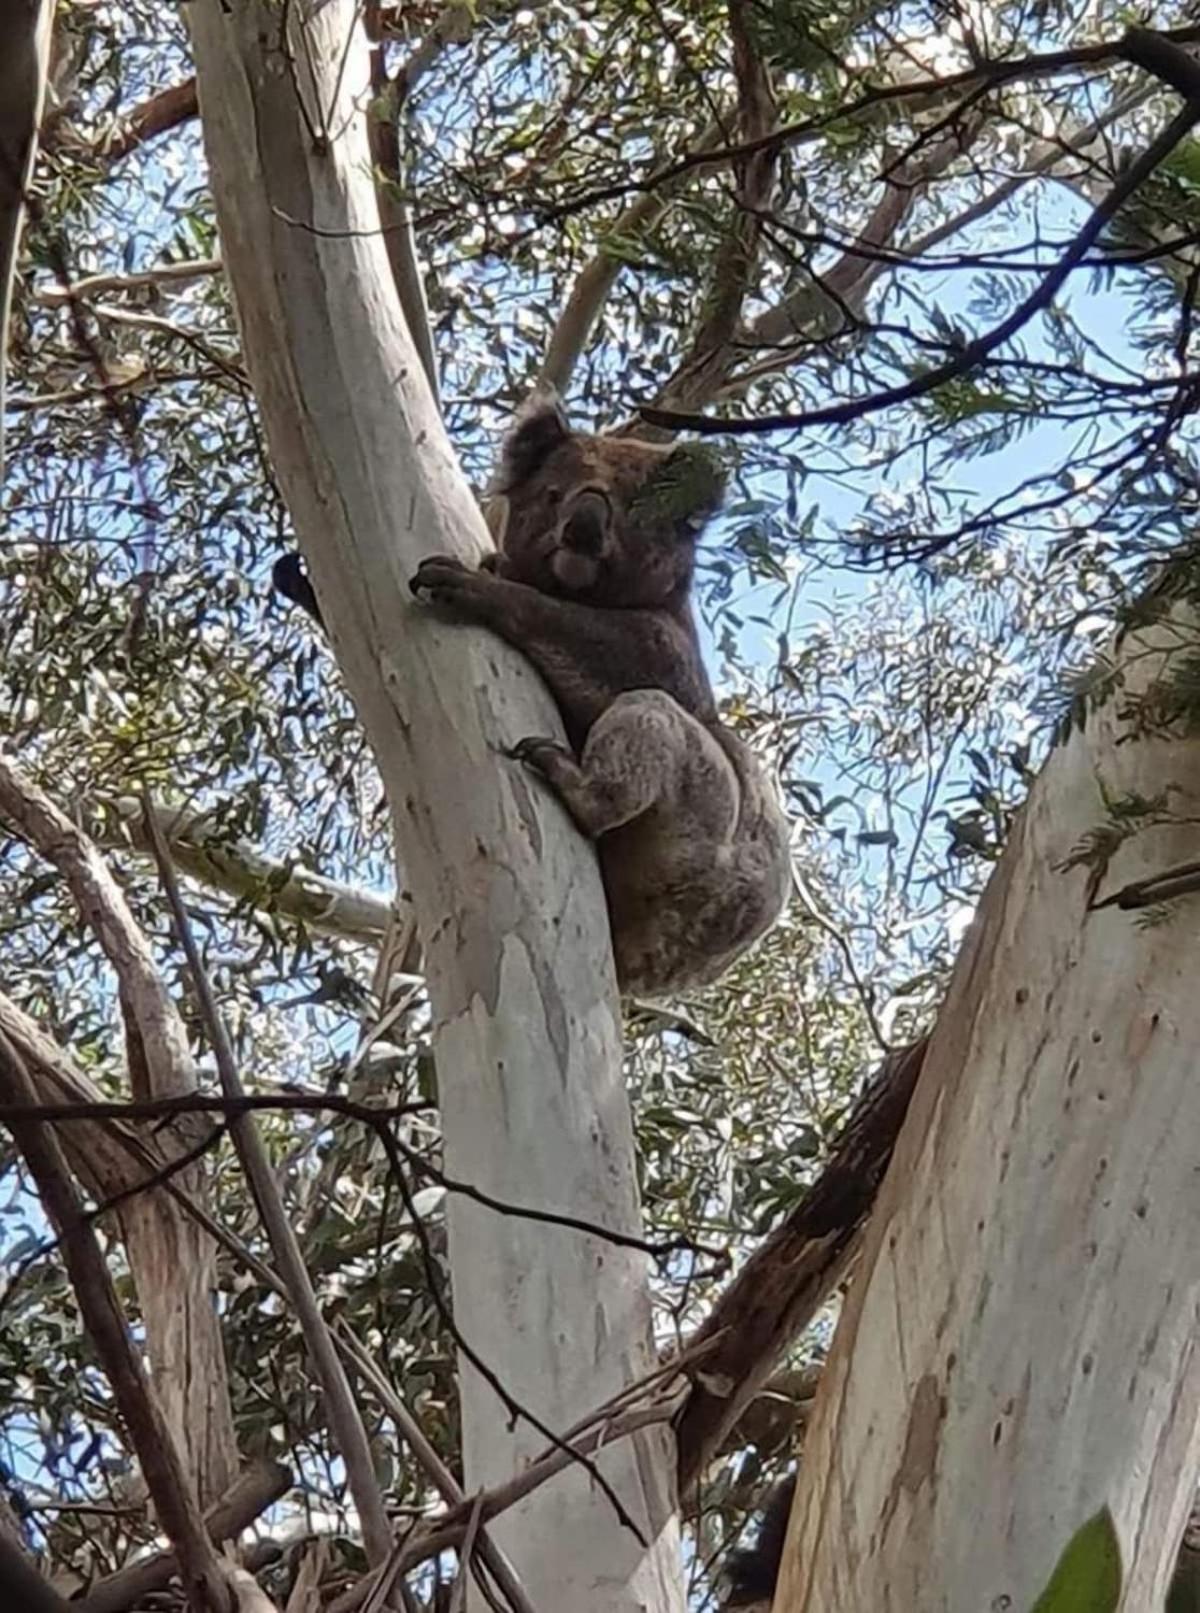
x,y
1019,1347
508,899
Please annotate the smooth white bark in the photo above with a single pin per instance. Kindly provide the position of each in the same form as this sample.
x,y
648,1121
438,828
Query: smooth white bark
x,y
508,899
1020,1344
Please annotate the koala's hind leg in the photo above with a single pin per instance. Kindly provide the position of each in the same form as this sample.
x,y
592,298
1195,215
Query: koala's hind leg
x,y
636,758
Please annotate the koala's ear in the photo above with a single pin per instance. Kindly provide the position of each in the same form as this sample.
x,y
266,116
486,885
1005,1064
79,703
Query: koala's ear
x,y
540,428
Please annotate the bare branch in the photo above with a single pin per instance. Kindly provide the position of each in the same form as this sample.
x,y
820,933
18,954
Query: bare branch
x,y
171,1263
99,284
846,284
102,905
446,1533
597,278
164,110
344,1419
434,1468
159,1457
250,1495
1160,55
238,868
783,1284
973,352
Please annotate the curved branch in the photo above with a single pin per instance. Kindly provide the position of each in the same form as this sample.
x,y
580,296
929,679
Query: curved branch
x,y
171,1262
597,278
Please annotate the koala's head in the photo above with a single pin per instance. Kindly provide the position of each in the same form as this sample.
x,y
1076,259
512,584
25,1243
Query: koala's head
x,y
602,520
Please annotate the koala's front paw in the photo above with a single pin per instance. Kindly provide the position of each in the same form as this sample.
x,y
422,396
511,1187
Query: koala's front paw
x,y
446,581
540,755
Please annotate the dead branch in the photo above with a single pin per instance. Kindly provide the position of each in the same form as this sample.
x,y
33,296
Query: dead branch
x,y
783,1284
252,1493
162,1466
434,1468
446,1533
345,1421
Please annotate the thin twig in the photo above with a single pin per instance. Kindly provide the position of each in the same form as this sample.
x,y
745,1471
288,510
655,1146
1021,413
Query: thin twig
x,y
345,1421
431,1463
973,352
378,1117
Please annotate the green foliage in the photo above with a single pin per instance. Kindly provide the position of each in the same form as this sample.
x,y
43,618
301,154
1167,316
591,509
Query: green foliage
x,y
886,602
1087,1577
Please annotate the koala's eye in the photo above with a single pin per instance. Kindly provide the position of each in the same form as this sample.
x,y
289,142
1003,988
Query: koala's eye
x,y
553,497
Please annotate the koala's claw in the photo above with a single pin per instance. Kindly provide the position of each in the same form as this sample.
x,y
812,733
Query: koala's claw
x,y
440,574
535,752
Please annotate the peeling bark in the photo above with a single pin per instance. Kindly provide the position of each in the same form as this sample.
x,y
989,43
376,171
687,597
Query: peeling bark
x,y
1019,1345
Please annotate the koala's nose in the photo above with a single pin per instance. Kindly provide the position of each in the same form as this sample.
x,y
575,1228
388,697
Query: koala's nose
x,y
586,525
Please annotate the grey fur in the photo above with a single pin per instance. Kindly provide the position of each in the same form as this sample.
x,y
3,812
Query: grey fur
x,y
593,582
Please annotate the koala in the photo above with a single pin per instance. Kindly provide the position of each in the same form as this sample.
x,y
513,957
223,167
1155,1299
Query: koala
x,y
593,582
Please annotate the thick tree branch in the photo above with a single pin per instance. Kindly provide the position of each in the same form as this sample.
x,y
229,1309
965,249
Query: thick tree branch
x,y
162,1466
25,27
171,1263
784,1283
22,1588
96,285
240,870
973,352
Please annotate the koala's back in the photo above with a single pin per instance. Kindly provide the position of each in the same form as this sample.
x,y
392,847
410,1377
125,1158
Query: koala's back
x,y
693,881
